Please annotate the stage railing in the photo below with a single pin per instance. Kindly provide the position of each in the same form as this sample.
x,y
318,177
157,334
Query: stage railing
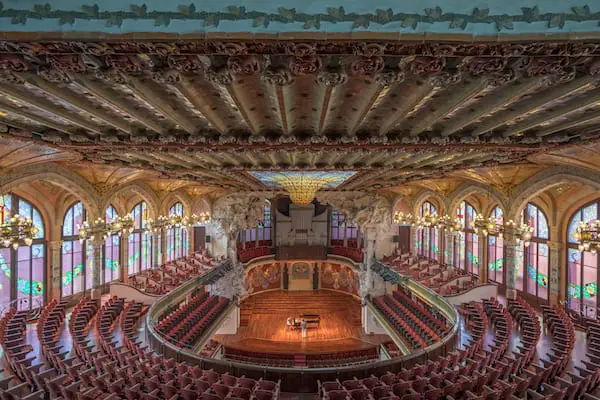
x,y
298,379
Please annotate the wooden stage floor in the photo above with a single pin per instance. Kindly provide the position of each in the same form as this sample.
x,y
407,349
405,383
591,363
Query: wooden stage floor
x,y
263,328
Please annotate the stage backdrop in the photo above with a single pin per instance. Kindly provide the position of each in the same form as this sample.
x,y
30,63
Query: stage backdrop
x,y
340,277
263,277
300,276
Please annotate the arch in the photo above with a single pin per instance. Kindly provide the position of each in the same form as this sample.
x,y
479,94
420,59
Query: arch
x,y
140,188
174,197
468,188
546,179
403,202
177,237
61,177
428,195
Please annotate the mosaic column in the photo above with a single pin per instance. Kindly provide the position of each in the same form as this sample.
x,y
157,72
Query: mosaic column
x,y
448,248
124,246
55,268
97,269
155,260
555,277
510,266
163,247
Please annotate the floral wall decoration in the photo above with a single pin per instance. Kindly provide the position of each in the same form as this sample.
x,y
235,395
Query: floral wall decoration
x,y
264,277
340,277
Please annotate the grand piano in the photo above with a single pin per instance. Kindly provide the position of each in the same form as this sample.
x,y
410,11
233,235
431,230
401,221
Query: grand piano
x,y
311,319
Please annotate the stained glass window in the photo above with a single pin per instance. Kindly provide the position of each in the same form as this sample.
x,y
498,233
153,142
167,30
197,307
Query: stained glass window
x,y
427,237
23,271
466,243
177,241
533,275
76,256
140,247
112,245
496,251
582,267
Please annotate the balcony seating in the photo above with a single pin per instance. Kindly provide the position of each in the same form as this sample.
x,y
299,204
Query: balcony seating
x,y
165,278
322,360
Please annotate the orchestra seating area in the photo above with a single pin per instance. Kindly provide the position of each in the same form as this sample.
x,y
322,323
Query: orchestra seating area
x,y
105,359
162,280
416,323
487,367
183,325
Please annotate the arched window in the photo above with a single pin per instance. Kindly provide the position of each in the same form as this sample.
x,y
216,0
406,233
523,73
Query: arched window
x,y
428,237
140,243
466,245
22,279
177,239
534,257
340,230
496,251
111,250
76,255
582,266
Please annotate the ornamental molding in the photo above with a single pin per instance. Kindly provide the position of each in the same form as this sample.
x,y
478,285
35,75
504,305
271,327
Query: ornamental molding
x,y
468,188
140,188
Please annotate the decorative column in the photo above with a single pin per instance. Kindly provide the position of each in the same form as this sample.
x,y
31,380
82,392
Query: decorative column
x,y
448,248
483,271
97,269
163,247
555,273
413,240
55,269
345,238
155,260
124,246
510,266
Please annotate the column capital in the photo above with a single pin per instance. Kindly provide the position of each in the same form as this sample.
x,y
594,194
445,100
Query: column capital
x,y
554,245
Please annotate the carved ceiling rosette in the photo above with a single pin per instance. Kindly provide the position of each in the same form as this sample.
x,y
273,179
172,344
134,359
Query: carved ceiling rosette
x,y
390,77
221,76
169,76
427,66
478,66
277,76
68,63
246,65
367,66
332,77
13,63
547,66
446,78
301,49
124,64
53,74
188,62
305,65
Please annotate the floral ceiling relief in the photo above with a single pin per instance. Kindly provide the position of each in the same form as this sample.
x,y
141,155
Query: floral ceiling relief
x,y
340,277
212,15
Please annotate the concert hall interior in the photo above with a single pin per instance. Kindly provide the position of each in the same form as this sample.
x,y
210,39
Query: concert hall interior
x,y
259,200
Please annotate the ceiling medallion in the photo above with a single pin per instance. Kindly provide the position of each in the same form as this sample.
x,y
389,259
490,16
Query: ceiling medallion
x,y
302,185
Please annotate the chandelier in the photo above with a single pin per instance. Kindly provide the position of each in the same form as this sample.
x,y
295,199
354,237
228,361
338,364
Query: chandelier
x,y
433,220
588,236
489,226
103,229
403,219
17,231
175,221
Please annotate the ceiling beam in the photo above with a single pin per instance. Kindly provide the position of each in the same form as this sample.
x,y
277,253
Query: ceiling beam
x,y
588,99
36,118
327,94
103,93
493,101
201,101
48,106
583,119
550,94
458,95
77,101
235,93
373,93
156,99
281,108
414,95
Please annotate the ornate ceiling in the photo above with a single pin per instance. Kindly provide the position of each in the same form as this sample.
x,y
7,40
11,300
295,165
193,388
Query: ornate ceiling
x,y
200,114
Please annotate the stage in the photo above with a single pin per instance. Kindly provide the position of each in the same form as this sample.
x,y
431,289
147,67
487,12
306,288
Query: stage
x,y
264,315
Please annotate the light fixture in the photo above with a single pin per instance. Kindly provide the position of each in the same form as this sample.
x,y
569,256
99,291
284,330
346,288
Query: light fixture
x,y
175,221
101,228
17,231
510,230
587,235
